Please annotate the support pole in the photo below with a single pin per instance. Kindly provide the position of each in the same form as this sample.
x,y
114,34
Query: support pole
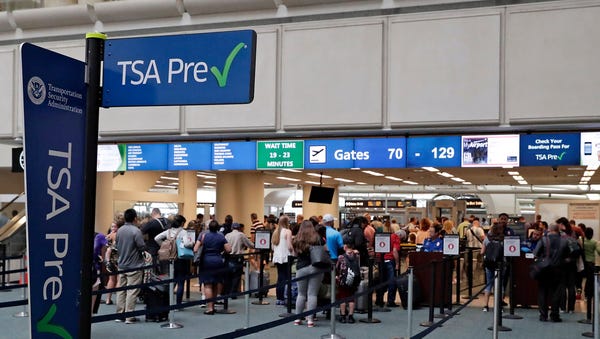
x,y
93,61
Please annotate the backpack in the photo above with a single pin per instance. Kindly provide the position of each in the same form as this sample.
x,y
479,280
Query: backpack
x,y
168,248
573,249
349,272
494,253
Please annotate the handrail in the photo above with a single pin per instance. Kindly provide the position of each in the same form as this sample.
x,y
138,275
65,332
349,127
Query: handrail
x,y
11,202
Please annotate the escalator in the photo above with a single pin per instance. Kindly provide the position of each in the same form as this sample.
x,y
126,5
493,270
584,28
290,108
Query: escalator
x,y
13,235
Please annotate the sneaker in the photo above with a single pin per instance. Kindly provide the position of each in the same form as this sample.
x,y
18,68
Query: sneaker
x,y
485,309
298,322
310,324
343,319
119,320
131,320
351,319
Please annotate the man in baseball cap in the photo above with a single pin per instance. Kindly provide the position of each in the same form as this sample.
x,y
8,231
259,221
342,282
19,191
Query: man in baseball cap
x,y
334,238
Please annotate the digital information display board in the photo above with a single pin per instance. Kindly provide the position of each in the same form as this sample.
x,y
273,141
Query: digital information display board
x,y
287,154
549,149
380,153
321,154
147,157
590,149
190,156
433,151
490,150
238,155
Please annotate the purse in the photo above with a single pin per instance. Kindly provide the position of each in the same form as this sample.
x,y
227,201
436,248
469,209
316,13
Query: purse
x,y
541,265
198,255
182,251
319,257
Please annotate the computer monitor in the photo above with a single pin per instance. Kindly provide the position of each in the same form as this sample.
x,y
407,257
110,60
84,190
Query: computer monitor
x,y
321,195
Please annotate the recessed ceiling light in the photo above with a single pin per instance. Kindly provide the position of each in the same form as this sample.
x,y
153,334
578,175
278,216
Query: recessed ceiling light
x,y
410,182
392,178
318,175
169,178
458,179
288,179
522,182
445,174
292,170
589,173
513,173
343,180
312,182
431,169
377,174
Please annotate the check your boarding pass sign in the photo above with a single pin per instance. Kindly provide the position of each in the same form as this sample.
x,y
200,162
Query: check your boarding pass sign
x,y
192,69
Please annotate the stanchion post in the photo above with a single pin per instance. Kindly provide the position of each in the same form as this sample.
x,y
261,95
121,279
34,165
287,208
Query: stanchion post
x,y
470,272
497,326
247,296
24,294
260,280
172,324
511,296
458,278
332,335
288,303
411,281
444,289
370,319
429,321
596,304
228,286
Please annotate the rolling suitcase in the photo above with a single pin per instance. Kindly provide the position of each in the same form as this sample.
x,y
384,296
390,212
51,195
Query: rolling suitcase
x,y
361,301
254,281
155,297
402,283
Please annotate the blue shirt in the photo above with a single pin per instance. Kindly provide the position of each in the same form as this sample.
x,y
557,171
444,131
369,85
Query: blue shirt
x,y
436,245
335,244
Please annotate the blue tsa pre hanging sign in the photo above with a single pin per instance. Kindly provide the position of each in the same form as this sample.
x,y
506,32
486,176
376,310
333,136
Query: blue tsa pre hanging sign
x,y
195,69
54,96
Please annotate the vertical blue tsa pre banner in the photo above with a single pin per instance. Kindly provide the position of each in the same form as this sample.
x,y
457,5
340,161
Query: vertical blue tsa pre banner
x,y
54,110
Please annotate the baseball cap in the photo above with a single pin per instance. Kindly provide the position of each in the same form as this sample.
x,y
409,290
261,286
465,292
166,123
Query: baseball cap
x,y
236,225
328,218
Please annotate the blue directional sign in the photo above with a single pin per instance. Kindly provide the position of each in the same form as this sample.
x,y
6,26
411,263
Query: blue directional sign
x,y
380,153
550,149
147,157
328,153
190,156
434,151
54,96
236,155
194,69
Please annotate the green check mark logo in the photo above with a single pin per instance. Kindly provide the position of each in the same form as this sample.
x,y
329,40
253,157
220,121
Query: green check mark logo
x,y
561,155
44,326
222,77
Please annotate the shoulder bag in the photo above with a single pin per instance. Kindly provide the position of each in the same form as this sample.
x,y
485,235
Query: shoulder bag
x,y
198,254
319,257
541,265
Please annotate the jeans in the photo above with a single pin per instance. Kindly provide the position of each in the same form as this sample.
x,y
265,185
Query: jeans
x,y
282,279
386,273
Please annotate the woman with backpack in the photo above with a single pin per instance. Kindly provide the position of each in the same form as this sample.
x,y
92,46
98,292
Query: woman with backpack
x,y
181,267
492,241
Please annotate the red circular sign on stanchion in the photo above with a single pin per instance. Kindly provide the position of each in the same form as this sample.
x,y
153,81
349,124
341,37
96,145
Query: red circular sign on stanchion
x,y
263,241
451,246
512,248
382,244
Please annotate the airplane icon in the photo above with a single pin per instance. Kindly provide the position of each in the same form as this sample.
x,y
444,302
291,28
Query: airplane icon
x,y
317,156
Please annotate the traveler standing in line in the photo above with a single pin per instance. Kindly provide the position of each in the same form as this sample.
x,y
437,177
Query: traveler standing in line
x,y
334,238
354,233
150,230
590,249
423,232
212,270
112,256
475,236
282,248
388,266
130,244
181,267
308,289
567,302
256,226
495,234
239,243
226,227
550,284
